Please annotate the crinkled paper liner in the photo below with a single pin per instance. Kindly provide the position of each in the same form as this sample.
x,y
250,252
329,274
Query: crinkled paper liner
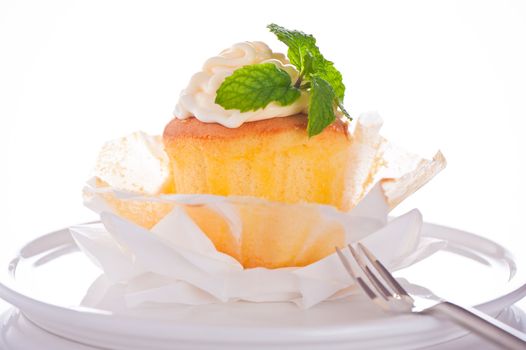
x,y
174,261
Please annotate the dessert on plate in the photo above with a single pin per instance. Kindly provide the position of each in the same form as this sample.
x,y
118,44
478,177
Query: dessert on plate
x,y
255,124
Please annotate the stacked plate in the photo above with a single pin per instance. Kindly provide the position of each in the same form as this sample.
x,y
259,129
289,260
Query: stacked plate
x,y
59,291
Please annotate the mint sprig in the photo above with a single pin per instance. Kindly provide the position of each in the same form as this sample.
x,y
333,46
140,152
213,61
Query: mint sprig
x,y
255,86
301,46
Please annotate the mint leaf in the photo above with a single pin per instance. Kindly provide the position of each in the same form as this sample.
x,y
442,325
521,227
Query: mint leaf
x,y
329,73
321,105
298,43
302,45
253,87
307,64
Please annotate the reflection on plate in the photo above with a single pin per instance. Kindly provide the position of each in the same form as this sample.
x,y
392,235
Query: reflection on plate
x,y
59,289
18,333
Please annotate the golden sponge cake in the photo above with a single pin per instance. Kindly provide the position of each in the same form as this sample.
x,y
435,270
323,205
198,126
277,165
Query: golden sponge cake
x,y
272,159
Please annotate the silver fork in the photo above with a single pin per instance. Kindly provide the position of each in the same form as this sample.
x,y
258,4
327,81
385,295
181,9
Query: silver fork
x,y
384,290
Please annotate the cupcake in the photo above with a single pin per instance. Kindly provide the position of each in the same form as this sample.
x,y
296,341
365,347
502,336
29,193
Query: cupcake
x,y
270,135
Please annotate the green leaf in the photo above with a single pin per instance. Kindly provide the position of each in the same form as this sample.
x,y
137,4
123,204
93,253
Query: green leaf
x,y
298,43
253,87
307,63
321,105
328,72
302,45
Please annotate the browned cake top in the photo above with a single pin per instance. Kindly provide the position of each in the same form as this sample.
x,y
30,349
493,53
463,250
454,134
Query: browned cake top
x,y
193,128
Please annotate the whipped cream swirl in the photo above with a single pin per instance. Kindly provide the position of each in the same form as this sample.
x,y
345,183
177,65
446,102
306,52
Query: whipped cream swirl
x,y
198,98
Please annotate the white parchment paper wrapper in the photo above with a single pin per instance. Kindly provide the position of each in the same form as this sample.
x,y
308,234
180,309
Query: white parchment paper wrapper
x,y
165,257
175,262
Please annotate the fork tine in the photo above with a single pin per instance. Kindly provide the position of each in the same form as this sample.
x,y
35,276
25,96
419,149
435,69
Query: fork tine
x,y
368,291
382,270
384,292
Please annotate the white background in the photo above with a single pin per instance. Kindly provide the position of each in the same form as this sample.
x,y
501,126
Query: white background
x,y
447,75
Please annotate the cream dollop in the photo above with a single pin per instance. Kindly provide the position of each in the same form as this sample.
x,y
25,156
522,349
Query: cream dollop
x,y
198,98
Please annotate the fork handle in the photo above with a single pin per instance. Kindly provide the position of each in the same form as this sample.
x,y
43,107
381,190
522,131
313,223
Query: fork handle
x,y
479,322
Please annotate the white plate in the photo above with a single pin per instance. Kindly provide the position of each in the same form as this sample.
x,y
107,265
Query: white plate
x,y
58,289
